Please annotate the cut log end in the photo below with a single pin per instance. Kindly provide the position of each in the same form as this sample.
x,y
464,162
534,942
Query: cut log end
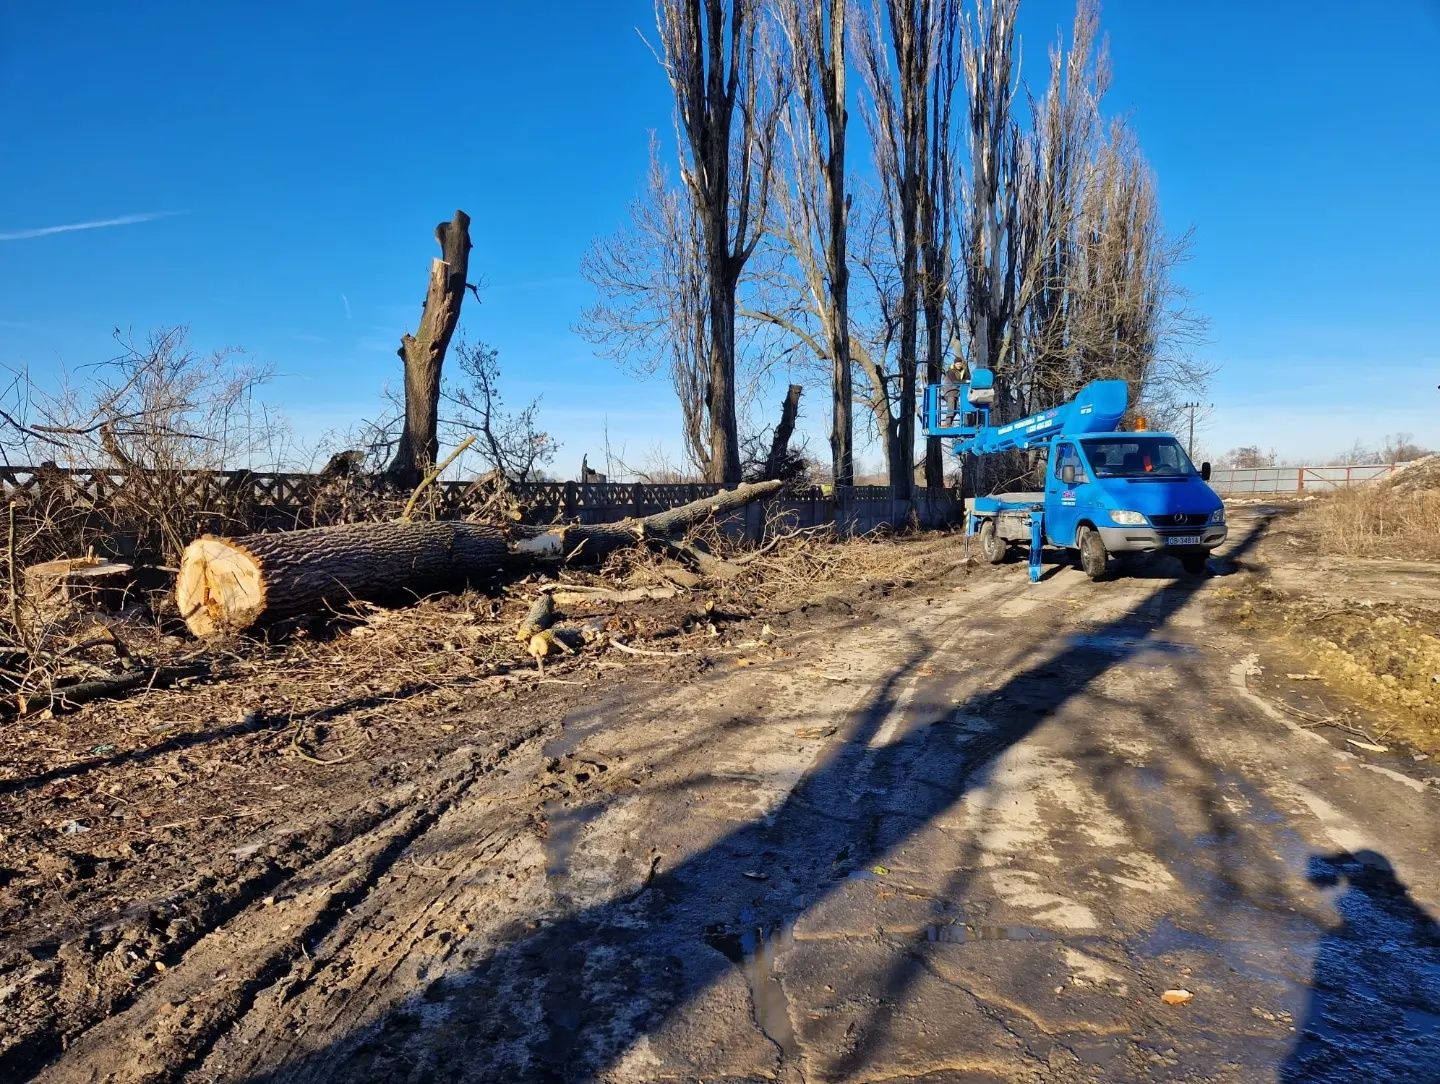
x,y
220,587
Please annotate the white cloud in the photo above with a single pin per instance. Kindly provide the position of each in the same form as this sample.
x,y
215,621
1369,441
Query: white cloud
x,y
97,224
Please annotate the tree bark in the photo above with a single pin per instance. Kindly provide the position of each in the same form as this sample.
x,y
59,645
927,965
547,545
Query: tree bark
x,y
424,353
724,464
842,424
230,584
780,443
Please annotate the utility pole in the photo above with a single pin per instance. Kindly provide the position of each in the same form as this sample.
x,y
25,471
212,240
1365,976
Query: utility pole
x,y
1190,442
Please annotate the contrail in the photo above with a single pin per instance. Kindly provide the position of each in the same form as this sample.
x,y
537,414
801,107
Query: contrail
x,y
97,224
347,305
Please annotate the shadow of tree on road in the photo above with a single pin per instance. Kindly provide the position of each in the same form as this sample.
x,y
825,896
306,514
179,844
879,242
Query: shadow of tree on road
x,y
619,970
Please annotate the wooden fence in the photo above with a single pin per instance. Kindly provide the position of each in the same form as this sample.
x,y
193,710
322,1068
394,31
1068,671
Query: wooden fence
x,y
239,501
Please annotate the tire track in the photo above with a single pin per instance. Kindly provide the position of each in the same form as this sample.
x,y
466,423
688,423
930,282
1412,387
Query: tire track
x,y
226,966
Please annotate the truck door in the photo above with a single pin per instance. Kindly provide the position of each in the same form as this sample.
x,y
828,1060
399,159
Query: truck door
x,y
1063,499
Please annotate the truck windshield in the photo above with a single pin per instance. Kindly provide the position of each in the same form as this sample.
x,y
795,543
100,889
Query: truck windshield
x,y
1137,457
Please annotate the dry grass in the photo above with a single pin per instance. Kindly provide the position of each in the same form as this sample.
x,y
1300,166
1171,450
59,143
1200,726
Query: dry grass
x,y
1376,521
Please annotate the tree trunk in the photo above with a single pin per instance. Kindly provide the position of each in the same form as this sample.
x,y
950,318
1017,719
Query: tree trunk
x,y
780,444
424,353
724,465
229,584
842,424
934,371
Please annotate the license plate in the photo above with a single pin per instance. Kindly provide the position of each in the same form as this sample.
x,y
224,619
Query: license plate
x,y
1184,540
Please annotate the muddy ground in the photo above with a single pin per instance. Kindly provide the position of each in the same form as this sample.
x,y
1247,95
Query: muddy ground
x,y
949,826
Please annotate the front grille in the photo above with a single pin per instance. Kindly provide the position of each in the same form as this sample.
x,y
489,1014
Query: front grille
x,y
1181,519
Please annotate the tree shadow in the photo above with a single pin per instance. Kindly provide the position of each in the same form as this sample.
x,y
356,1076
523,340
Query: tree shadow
x,y
615,971
1374,1008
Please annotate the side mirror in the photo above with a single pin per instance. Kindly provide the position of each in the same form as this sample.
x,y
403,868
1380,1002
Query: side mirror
x,y
1205,471
1067,474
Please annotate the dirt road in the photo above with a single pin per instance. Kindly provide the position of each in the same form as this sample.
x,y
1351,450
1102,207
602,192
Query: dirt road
x,y
970,834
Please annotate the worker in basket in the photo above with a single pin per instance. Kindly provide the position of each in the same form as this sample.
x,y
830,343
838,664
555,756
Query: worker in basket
x,y
950,383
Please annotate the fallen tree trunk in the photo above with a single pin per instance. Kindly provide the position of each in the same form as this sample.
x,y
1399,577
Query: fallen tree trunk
x,y
594,541
230,584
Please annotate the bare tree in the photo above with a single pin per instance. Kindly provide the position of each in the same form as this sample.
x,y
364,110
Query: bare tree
x,y
816,218
1248,457
991,207
156,415
1401,448
938,197
424,352
911,88
727,113
653,314
1056,171
511,442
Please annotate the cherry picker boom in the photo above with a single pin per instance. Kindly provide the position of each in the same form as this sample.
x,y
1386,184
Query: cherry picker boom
x,y
1106,491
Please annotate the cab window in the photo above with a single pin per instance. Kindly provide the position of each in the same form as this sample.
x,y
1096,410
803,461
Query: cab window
x,y
1067,456
1137,457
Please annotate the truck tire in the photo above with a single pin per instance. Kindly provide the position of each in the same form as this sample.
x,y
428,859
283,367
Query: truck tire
x,y
992,547
1094,557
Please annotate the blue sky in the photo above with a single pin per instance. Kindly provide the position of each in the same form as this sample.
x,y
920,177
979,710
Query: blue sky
x,y
297,156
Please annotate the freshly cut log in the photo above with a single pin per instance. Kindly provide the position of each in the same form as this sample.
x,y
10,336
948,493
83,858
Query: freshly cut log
x,y
230,584
540,618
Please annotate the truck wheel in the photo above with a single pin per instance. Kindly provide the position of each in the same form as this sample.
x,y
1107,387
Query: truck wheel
x,y
992,547
1094,558
1194,563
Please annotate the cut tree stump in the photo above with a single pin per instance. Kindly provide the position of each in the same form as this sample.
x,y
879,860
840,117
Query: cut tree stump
x,y
230,584
57,593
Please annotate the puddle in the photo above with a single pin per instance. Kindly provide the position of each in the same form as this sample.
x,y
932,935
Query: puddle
x,y
570,737
565,828
962,933
753,949
1278,955
1116,644
1150,779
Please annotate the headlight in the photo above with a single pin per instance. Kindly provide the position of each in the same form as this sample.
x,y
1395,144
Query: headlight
x,y
1217,516
1128,519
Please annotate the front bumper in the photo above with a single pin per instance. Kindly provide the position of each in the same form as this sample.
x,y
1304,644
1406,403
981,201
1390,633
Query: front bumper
x,y
1150,539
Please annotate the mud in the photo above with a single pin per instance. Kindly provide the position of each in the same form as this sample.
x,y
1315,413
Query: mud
x,y
1367,628
971,829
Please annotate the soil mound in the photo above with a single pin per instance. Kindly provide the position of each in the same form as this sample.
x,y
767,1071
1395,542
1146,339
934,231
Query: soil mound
x,y
1417,476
